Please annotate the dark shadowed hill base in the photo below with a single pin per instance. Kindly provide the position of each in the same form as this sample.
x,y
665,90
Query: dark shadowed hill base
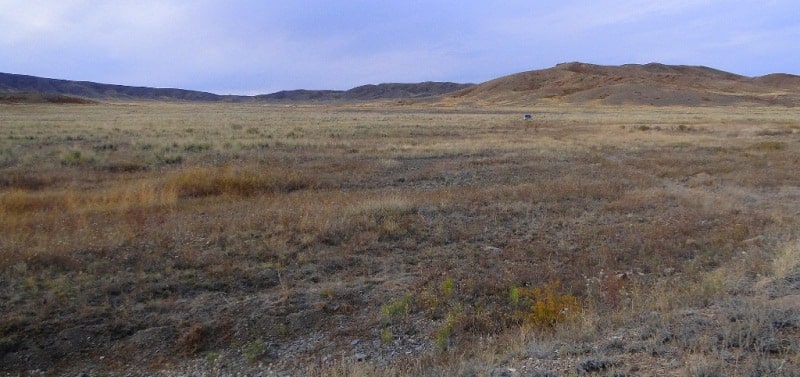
x,y
42,98
634,84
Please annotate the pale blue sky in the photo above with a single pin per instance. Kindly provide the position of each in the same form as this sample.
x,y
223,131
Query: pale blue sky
x,y
252,47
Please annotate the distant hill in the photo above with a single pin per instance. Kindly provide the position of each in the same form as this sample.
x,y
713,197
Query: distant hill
x,y
368,92
13,83
425,89
648,84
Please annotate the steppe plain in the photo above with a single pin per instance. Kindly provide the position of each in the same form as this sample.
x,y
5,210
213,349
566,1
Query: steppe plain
x,y
399,238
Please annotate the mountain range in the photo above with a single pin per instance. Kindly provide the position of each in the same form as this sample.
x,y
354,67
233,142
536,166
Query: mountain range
x,y
635,84
44,88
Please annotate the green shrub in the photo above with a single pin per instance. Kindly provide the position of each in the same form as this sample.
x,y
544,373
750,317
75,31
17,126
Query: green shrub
x,y
386,336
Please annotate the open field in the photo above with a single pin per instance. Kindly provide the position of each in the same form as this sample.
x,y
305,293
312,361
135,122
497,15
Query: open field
x,y
380,239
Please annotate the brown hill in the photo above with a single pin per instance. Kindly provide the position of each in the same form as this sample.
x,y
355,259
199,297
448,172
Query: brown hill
x,y
648,84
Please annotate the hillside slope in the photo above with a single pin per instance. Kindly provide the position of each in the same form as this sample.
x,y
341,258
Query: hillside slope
x,y
648,84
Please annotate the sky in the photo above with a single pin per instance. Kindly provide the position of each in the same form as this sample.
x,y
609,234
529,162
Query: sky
x,y
255,47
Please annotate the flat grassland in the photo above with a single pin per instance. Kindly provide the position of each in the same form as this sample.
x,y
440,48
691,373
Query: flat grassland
x,y
379,239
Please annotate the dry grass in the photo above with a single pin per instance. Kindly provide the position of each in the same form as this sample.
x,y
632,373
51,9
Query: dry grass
x,y
424,240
